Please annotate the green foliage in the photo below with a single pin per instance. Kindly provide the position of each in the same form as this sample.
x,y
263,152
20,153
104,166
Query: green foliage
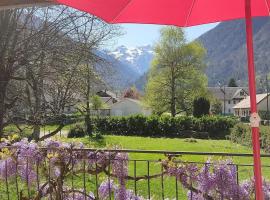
x,y
232,83
216,107
97,136
176,75
76,132
96,102
241,133
201,107
154,126
264,115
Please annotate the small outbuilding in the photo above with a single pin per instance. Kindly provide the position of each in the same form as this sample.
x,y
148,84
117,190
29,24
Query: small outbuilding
x,y
127,106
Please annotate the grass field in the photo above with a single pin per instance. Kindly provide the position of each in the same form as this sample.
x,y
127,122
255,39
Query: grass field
x,y
165,144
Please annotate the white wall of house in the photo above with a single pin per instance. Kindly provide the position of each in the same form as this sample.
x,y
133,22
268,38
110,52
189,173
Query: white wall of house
x,y
229,104
263,104
127,107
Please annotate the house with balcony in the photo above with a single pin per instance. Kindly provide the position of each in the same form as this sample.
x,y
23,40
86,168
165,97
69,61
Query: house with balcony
x,y
228,97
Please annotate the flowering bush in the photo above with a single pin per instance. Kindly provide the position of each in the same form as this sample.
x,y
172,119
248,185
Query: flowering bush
x,y
217,180
58,162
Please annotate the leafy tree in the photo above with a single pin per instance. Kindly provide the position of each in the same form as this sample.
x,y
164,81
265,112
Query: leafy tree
x,y
216,107
96,102
132,93
201,106
232,83
176,76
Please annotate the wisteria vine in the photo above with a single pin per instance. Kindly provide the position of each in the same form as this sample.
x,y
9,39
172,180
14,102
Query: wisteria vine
x,y
58,162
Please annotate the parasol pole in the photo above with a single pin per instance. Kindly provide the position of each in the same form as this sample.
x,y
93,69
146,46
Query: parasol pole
x,y
254,117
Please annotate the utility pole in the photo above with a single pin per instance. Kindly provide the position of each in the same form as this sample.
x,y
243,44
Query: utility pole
x,y
267,91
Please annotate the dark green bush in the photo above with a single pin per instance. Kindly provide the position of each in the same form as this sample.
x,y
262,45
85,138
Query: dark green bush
x,y
76,132
155,126
264,115
201,107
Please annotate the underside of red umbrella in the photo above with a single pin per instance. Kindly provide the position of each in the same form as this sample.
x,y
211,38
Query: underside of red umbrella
x,y
185,13
171,12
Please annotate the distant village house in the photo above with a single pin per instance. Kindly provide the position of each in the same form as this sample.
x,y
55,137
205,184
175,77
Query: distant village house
x,y
229,96
127,106
121,106
242,109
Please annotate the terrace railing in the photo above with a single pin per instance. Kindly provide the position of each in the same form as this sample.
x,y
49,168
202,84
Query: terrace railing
x,y
148,173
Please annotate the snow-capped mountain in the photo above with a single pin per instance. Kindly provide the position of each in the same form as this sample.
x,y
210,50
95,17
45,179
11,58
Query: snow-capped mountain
x,y
139,58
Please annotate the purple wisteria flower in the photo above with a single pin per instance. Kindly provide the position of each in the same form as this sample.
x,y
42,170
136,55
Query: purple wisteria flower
x,y
58,160
105,188
7,168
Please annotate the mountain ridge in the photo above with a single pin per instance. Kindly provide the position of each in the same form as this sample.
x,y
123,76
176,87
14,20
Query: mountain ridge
x,y
226,50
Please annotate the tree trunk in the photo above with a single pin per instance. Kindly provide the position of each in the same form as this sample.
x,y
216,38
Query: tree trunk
x,y
3,88
36,132
88,123
173,99
2,111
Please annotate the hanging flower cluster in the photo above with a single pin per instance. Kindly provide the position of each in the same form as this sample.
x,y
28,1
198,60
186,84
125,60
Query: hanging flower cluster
x,y
215,180
58,162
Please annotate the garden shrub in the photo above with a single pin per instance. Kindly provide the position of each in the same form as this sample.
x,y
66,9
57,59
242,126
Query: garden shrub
x,y
76,132
264,115
201,107
241,133
165,126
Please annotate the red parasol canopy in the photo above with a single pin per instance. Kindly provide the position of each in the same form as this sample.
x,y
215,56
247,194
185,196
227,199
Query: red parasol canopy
x,y
185,13
171,12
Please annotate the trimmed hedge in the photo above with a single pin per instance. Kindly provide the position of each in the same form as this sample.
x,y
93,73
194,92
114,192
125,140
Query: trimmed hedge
x,y
217,127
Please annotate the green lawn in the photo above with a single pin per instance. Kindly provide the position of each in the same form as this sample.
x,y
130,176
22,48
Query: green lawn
x,y
27,130
142,143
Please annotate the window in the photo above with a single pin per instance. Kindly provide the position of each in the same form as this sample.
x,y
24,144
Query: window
x,y
234,102
229,110
229,102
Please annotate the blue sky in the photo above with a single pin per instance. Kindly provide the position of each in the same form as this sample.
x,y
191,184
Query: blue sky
x,y
138,35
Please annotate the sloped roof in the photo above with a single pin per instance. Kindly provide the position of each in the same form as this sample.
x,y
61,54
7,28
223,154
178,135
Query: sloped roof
x,y
245,103
127,99
106,93
230,92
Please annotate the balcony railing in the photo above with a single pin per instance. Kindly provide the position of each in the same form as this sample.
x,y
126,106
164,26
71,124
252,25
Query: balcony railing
x,y
147,174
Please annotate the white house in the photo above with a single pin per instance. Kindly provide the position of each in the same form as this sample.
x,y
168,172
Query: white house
x,y
242,109
230,96
127,106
